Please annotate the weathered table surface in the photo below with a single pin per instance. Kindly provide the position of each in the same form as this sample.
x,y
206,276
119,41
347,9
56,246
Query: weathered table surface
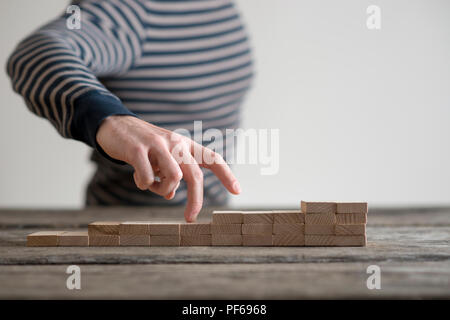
x,y
411,246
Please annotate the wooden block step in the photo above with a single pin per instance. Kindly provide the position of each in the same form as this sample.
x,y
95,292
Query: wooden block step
x,y
134,228
351,218
319,229
197,240
196,228
350,241
320,218
226,228
288,216
134,240
253,240
291,228
318,207
227,217
319,240
103,228
350,229
257,229
257,217
43,239
352,207
288,240
165,240
226,239
164,228
73,239
108,240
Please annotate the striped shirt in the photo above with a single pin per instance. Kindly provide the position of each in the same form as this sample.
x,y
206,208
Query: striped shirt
x,y
169,62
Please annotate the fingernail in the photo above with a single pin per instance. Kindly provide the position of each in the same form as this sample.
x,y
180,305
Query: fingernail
x,y
237,187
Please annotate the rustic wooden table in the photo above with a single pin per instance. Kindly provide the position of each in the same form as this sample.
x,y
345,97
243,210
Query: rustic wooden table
x,y
410,246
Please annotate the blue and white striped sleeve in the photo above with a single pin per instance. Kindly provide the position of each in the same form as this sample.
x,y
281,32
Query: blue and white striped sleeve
x,y
56,70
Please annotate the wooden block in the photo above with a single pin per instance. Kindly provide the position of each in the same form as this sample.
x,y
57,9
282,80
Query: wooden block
x,y
108,240
318,207
198,240
351,218
165,240
350,229
226,239
43,239
163,228
258,229
319,240
322,229
227,217
134,227
320,218
226,228
73,239
103,228
288,216
288,240
352,207
193,229
290,228
134,240
257,217
350,241
253,240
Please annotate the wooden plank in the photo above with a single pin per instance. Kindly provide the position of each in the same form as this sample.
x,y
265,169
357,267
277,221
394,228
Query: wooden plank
x,y
322,229
257,217
134,240
197,240
43,239
164,228
288,216
294,228
103,228
73,239
195,228
226,217
319,240
351,207
318,207
288,240
252,240
261,229
134,228
104,241
164,240
350,241
320,218
226,229
351,218
350,229
226,239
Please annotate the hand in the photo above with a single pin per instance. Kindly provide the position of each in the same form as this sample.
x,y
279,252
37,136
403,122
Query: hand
x,y
150,151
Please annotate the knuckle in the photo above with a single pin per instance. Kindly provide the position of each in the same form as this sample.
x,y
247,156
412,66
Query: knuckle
x,y
197,175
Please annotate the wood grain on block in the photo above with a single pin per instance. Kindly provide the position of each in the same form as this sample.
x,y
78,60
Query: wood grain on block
x,y
352,207
193,229
160,229
227,217
319,240
320,218
293,228
73,239
260,217
261,229
197,240
103,227
351,218
256,240
165,241
318,207
350,241
134,227
319,229
134,240
288,216
288,240
350,229
107,240
43,239
226,240
226,228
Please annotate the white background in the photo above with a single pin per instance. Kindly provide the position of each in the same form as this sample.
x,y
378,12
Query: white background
x,y
362,114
